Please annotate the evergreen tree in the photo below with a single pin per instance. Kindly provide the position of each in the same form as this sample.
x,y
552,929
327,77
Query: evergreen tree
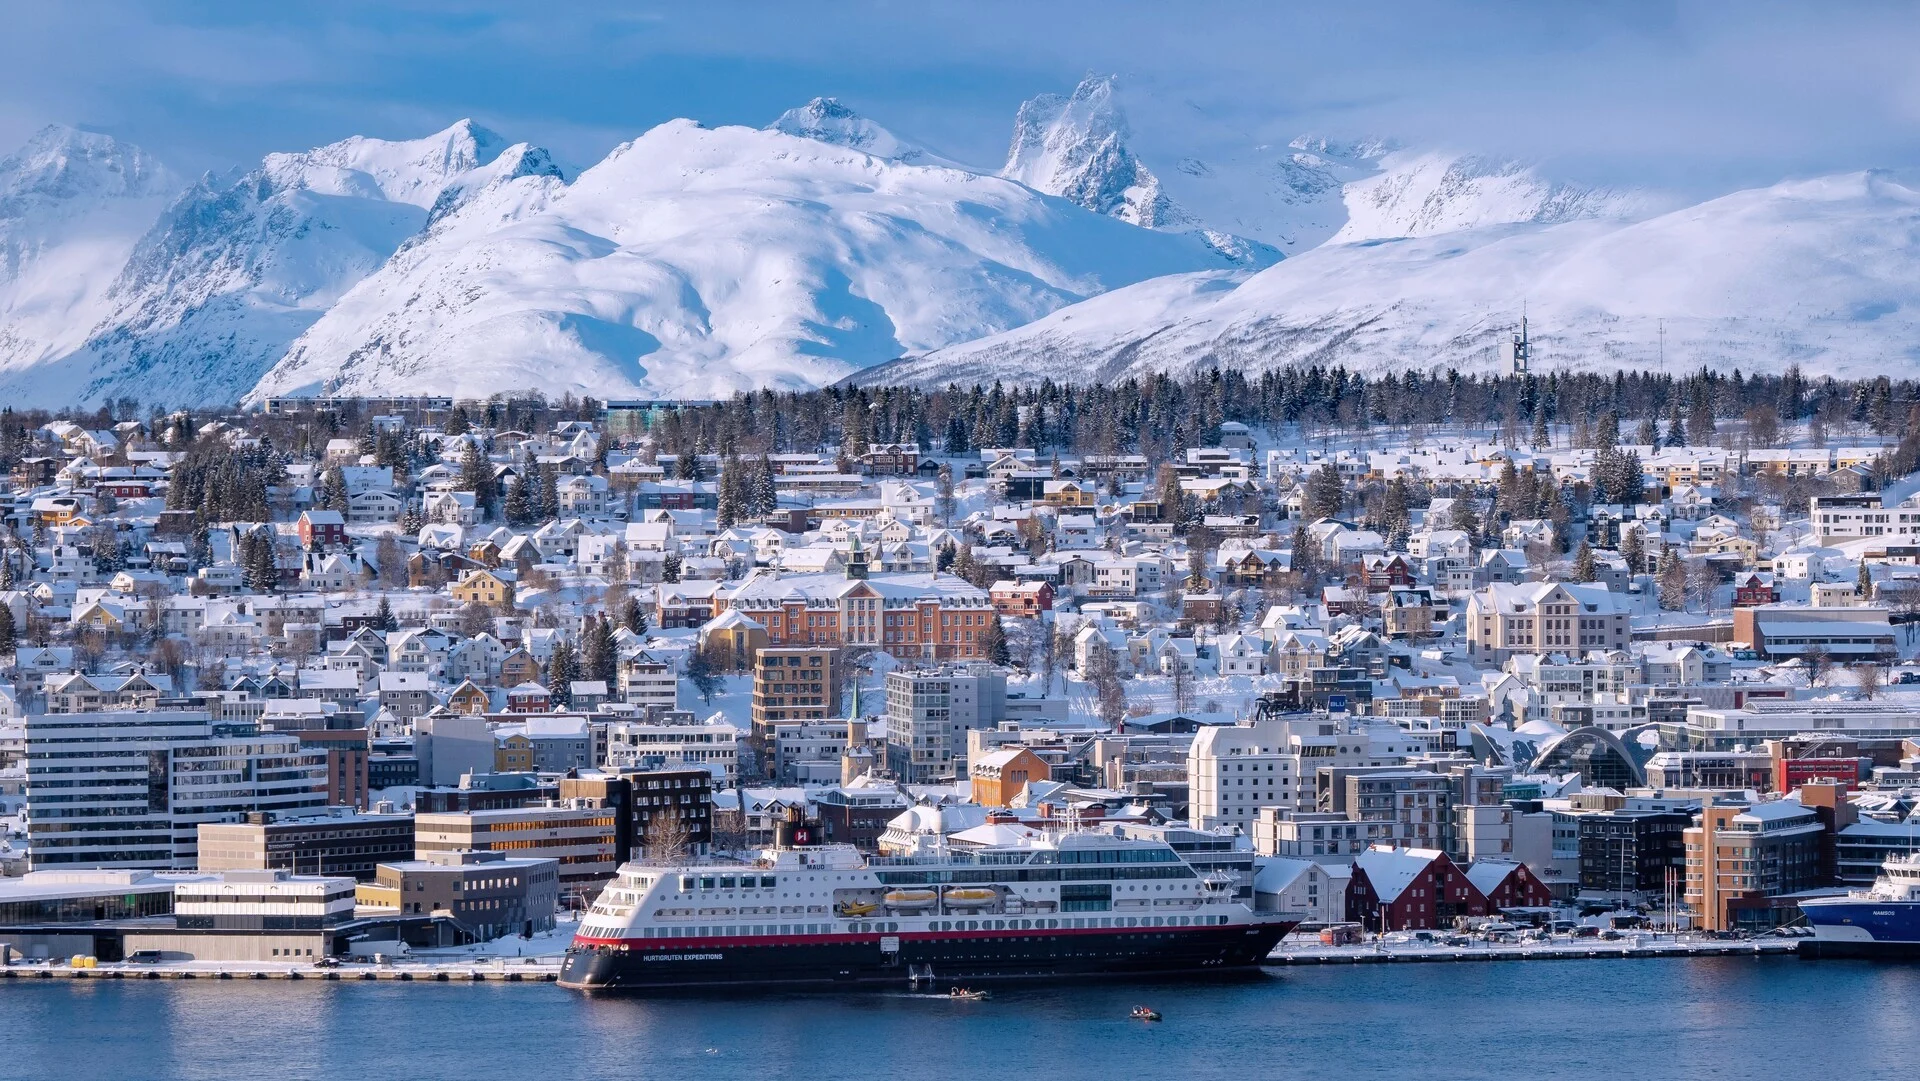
x,y
670,567
601,657
633,616
766,494
1466,518
1606,435
476,476
333,490
993,644
1585,569
457,421
1306,563
956,442
1634,550
729,509
1863,585
1648,433
8,639
263,573
547,508
519,507
383,617
1326,493
562,670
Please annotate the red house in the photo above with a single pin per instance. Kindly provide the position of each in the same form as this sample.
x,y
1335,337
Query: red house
x,y
1387,572
1754,587
1021,600
321,528
1506,884
528,698
1409,889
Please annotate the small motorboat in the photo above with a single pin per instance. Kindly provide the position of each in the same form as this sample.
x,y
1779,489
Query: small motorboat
x,y
1145,1013
964,994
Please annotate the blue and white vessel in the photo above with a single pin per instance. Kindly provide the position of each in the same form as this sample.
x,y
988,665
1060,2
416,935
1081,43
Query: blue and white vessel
x,y
1880,922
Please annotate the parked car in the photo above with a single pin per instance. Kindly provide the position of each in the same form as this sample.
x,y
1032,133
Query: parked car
x,y
144,957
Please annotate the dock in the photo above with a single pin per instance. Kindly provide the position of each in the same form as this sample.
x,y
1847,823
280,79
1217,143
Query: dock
x,y
1578,950
400,973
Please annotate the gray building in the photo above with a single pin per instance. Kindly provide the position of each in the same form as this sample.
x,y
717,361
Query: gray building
x,y
325,844
449,746
931,710
488,894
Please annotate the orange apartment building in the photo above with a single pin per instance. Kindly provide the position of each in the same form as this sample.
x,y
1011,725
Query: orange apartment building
x,y
936,617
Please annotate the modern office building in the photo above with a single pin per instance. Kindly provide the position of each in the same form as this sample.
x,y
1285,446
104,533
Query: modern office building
x,y
487,893
582,839
931,710
333,843
131,789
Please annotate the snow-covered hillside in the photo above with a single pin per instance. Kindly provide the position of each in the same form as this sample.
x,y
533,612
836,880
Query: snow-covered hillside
x,y
1824,273
697,261
236,268
72,206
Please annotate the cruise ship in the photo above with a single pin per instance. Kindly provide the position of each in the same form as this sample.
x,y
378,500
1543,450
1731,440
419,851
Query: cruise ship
x,y
1880,922
1081,903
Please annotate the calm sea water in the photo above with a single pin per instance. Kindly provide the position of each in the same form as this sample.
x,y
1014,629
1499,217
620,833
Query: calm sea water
x,y
1641,1019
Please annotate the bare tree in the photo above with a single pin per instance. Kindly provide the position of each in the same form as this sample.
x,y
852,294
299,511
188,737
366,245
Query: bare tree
x,y
1869,676
1103,671
475,619
1702,583
667,836
1182,686
1819,662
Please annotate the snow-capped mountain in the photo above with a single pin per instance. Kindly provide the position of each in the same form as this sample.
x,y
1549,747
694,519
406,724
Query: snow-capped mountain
x,y
695,262
1824,273
72,206
1076,147
826,120
237,267
1425,194
1185,169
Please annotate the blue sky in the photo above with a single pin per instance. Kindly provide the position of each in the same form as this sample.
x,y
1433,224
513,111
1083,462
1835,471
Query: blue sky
x,y
1702,96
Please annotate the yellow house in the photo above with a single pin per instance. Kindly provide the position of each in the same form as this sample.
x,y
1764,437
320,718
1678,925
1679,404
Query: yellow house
x,y
1069,493
468,699
512,754
519,667
482,587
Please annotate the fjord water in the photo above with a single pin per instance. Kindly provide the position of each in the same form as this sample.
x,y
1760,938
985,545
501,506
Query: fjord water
x,y
1641,1019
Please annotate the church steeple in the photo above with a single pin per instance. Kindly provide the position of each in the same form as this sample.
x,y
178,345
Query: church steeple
x,y
856,559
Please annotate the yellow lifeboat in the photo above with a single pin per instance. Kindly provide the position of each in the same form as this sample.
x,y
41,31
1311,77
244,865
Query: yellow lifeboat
x,y
856,908
970,897
910,898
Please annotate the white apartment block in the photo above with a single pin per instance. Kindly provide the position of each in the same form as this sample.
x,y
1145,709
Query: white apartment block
x,y
664,746
1234,770
931,710
129,789
1850,517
